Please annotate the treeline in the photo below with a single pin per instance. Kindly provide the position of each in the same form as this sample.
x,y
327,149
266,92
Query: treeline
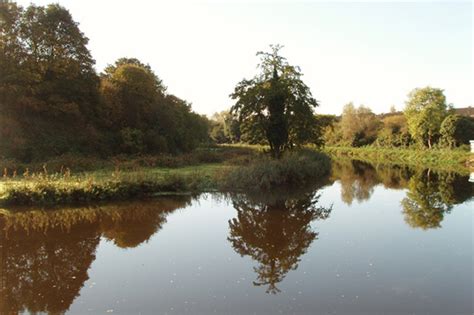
x,y
426,122
53,102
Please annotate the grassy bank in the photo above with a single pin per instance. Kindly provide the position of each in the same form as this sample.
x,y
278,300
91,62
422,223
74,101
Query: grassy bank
x,y
226,168
234,169
42,189
78,179
442,159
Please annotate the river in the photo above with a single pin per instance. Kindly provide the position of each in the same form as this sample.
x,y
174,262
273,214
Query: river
x,y
368,240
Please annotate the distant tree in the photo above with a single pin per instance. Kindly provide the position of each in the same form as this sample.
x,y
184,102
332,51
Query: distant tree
x,y
425,111
225,128
277,104
394,132
359,126
456,130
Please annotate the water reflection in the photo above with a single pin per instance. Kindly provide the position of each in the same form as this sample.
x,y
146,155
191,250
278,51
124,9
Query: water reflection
x,y
430,194
45,255
275,233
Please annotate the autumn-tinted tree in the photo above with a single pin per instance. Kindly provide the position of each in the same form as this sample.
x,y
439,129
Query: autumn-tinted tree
x,y
394,132
48,84
52,101
277,104
358,125
425,110
140,117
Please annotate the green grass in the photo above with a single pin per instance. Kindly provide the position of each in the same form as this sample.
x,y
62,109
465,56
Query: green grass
x,y
43,189
74,180
237,171
442,159
294,170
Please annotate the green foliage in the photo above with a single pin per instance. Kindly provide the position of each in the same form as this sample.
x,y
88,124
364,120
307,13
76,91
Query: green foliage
x,y
295,169
452,160
425,111
276,105
456,130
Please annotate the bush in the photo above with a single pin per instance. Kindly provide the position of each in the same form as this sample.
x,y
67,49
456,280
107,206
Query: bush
x,y
294,169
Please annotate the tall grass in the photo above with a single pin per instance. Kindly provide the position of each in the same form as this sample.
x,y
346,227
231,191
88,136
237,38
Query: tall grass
x,y
52,189
294,169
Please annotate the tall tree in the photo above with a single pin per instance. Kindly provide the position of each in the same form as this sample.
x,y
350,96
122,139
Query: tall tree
x,y
48,83
277,104
425,110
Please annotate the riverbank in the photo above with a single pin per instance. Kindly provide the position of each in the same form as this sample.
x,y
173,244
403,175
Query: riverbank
x,y
223,168
440,159
241,170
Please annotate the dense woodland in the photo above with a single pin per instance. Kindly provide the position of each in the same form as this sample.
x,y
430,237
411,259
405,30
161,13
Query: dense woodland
x,y
53,101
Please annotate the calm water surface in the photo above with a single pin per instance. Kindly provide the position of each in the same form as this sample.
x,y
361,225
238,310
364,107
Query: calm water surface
x,y
371,240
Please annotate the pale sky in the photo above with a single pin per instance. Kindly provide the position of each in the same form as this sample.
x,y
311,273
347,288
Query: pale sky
x,y
372,53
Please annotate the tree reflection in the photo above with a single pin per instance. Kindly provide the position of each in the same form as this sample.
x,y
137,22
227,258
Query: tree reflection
x,y
45,272
45,255
431,195
357,179
274,233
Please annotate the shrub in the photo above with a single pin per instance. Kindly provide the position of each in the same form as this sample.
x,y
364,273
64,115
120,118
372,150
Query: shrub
x,y
294,169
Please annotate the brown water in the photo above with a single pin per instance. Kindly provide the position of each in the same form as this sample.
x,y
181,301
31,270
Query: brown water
x,y
386,240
